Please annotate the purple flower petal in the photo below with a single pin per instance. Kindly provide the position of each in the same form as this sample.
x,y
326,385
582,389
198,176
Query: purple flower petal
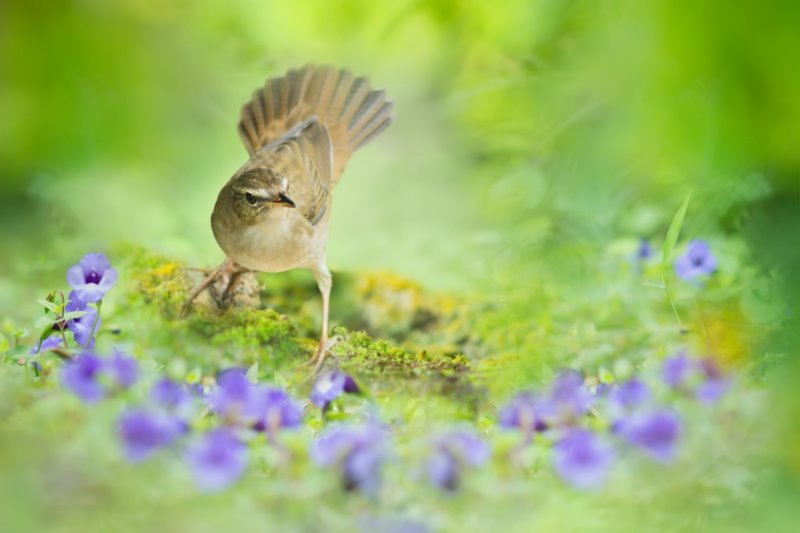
x,y
527,412
350,385
675,369
443,471
53,341
451,453
357,451
144,433
630,394
645,250
655,433
170,395
274,409
92,277
75,277
569,395
696,261
582,460
235,397
327,388
711,391
124,369
218,460
81,327
95,263
467,447
108,280
81,375
362,470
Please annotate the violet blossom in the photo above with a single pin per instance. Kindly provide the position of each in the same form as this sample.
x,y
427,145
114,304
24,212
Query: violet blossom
x,y
92,277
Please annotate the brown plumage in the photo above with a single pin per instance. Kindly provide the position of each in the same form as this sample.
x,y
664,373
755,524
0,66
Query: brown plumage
x,y
300,130
351,112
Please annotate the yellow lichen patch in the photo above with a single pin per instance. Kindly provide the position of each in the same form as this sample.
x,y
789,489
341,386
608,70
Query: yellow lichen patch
x,y
725,335
393,306
167,269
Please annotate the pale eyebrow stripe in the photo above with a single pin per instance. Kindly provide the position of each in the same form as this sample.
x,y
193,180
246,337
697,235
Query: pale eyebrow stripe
x,y
259,193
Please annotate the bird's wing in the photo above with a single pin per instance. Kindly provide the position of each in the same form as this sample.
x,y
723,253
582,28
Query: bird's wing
x,y
305,157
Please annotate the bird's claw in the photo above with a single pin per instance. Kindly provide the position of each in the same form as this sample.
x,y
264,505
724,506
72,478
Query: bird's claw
x,y
323,350
221,280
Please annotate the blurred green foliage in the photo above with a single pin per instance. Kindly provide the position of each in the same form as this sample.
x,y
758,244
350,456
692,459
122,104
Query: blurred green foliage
x,y
535,142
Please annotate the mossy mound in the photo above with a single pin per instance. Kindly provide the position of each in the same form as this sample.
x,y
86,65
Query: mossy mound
x,y
392,327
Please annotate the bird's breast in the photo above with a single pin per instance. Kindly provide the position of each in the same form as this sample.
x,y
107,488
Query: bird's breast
x,y
283,241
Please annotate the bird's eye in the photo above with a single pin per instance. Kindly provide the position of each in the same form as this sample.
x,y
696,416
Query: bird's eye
x,y
250,198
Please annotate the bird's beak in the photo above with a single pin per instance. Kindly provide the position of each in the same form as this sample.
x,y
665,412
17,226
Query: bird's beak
x,y
285,200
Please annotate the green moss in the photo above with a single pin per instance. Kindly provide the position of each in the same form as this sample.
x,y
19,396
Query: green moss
x,y
283,335
266,330
151,278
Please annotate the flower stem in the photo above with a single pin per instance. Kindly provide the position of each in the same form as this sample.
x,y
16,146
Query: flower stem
x,y
62,325
94,324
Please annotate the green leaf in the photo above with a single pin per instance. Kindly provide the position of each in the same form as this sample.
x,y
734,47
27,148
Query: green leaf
x,y
675,229
46,332
281,381
252,372
45,322
72,315
48,305
194,375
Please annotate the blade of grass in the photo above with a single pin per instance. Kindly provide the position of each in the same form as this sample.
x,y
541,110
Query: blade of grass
x,y
669,244
674,230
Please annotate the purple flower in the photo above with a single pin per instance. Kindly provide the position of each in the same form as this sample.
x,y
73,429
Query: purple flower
x,y
675,370
81,377
645,251
92,277
330,386
357,451
218,460
569,396
274,409
197,390
703,378
53,341
143,433
81,327
711,391
655,433
235,398
714,384
526,411
451,453
697,260
124,369
602,390
169,395
629,395
582,459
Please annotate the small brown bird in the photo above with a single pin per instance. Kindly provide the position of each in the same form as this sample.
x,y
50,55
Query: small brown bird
x,y
273,214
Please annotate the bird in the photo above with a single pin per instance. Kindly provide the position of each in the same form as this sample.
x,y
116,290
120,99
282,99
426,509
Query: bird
x,y
273,214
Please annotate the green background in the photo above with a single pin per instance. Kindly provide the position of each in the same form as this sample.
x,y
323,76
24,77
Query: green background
x,y
534,143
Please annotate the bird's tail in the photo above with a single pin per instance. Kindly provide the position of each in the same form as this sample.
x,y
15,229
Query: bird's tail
x,y
352,113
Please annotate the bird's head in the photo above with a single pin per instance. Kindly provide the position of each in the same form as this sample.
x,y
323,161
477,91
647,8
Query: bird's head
x,y
252,195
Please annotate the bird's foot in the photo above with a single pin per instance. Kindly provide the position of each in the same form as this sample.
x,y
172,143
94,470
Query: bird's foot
x,y
224,284
323,350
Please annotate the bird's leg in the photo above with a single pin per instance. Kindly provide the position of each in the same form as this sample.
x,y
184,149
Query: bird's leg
x,y
225,272
324,282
